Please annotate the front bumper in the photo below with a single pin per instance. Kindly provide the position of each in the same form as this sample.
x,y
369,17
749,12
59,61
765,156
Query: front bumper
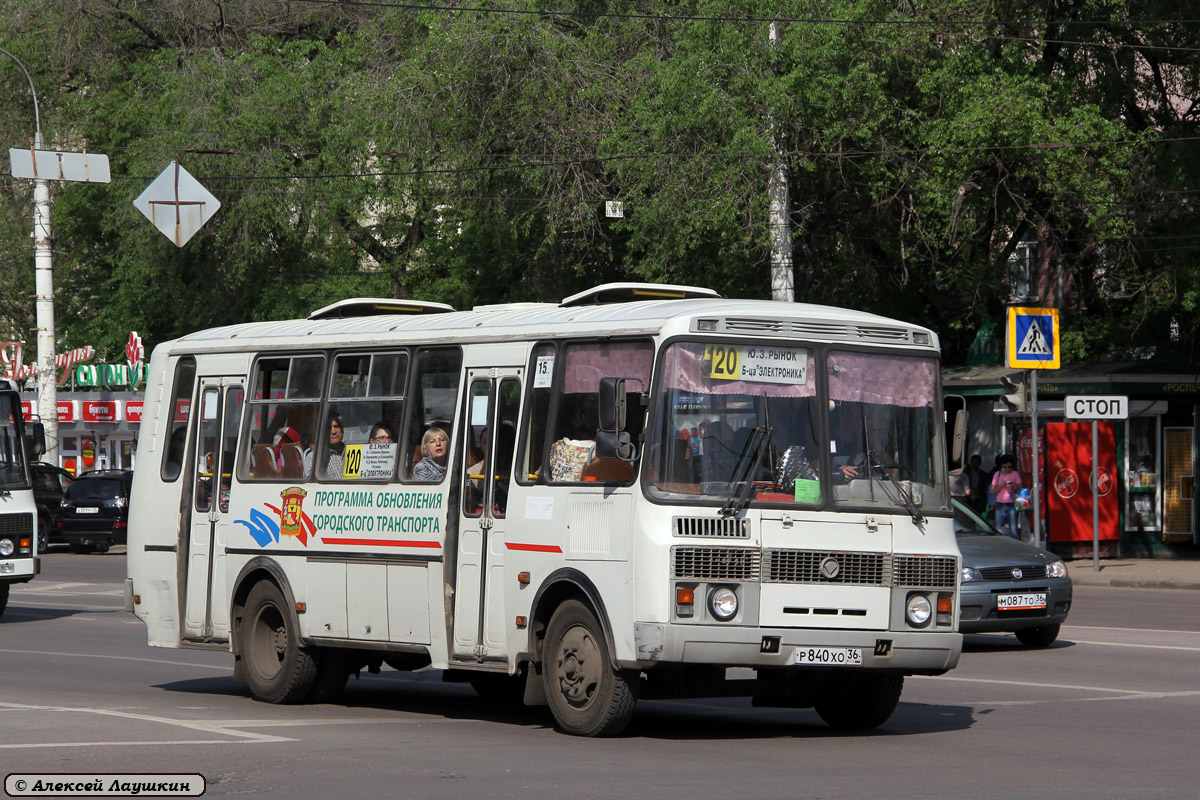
x,y
19,570
980,615
909,652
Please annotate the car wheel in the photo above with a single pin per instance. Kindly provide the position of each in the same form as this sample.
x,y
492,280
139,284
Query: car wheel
x,y
586,695
277,669
100,547
43,535
1039,637
859,701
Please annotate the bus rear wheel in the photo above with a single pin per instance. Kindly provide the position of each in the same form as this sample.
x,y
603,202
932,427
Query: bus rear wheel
x,y
276,667
586,695
858,701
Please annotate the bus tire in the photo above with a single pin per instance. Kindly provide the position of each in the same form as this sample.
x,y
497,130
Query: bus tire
x,y
3,597
586,695
334,666
277,669
1039,637
858,701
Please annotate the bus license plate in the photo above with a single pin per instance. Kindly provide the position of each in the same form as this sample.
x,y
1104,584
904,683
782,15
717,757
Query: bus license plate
x,y
87,510
1021,602
828,656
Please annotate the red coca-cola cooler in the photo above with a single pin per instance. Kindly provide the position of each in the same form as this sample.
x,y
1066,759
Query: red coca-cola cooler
x,y
1068,482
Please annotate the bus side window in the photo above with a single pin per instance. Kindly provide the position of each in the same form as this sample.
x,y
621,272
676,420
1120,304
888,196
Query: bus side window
x,y
432,404
177,416
508,408
533,452
280,418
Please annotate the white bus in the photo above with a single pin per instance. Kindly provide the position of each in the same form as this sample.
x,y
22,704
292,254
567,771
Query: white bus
x,y
19,561
645,488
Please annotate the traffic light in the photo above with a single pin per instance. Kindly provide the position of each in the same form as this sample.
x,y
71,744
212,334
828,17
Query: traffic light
x,y
1014,397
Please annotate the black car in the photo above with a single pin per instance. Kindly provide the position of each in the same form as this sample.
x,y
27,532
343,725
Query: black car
x,y
1007,585
49,490
95,514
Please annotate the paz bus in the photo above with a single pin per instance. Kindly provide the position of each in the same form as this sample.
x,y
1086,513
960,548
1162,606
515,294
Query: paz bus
x,y
19,561
643,491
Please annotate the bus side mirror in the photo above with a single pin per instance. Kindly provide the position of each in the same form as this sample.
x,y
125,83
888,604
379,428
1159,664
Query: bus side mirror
x,y
614,444
35,439
612,405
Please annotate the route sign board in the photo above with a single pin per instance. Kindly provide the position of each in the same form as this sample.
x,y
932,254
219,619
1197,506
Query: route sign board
x,y
55,165
1033,341
177,204
1093,406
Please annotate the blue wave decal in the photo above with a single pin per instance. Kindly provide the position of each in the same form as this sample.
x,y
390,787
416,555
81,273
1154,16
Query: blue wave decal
x,y
264,529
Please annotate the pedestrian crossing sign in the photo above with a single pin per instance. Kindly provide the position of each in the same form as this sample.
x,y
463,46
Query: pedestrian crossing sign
x,y
1033,338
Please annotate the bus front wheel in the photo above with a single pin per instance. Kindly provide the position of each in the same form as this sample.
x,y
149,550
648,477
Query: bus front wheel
x,y
276,667
586,695
858,701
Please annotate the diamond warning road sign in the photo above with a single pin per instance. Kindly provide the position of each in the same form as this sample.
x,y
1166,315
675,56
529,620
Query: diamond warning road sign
x,y
177,204
1033,338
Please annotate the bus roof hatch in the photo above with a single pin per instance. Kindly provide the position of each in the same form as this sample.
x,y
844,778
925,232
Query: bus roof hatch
x,y
632,292
376,307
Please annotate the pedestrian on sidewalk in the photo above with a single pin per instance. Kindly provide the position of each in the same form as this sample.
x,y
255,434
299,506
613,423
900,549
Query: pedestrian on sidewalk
x,y
1005,485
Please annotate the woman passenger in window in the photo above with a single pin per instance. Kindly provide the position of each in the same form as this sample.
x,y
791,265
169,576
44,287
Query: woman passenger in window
x,y
435,446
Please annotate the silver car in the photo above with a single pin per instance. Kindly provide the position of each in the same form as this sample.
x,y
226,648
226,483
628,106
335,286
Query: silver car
x,y
1007,585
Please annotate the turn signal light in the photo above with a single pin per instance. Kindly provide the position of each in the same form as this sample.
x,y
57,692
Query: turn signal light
x,y
945,608
301,608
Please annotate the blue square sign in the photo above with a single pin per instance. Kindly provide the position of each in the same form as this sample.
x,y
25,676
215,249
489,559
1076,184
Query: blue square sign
x,y
1033,338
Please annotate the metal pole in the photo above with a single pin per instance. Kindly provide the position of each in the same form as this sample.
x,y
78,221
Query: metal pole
x,y
1037,512
1095,498
44,288
782,277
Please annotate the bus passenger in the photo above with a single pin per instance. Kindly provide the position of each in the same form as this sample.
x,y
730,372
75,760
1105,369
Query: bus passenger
x,y
435,445
337,450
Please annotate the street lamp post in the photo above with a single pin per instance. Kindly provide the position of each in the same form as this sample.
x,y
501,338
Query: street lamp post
x,y
44,288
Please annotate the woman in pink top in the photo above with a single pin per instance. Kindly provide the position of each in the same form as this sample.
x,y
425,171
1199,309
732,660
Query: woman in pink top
x,y
1005,485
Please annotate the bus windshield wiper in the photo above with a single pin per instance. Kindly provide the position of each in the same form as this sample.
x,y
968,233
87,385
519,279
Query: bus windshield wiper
x,y
740,485
873,464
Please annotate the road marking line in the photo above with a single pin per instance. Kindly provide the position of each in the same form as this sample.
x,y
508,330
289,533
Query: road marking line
x,y
40,745
1000,682
225,668
193,725
1139,646
1139,630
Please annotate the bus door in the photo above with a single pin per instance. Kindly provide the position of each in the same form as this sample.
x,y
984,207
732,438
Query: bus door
x,y
220,401
488,435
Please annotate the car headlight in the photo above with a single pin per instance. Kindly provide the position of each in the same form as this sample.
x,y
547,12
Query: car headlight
x,y
6,547
971,574
917,610
1056,570
723,603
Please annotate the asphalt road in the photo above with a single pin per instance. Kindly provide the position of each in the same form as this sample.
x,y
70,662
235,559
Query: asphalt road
x,y
1109,712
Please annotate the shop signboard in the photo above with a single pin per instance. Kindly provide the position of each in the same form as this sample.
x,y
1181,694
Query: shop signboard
x,y
101,410
133,412
88,452
68,410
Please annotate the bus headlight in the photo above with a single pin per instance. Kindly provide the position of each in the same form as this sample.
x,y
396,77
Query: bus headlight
x,y
723,603
917,610
6,547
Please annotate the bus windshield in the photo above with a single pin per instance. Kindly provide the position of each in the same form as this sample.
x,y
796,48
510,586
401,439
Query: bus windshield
x,y
13,472
789,425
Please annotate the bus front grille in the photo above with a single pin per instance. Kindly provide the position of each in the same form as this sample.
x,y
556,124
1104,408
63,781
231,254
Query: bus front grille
x,y
822,566
712,527
16,524
933,572
715,563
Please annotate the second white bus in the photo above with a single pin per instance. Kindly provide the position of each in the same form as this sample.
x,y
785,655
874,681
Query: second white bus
x,y
644,487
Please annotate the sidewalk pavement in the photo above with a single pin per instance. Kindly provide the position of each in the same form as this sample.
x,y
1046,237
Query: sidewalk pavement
x,y
1138,573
